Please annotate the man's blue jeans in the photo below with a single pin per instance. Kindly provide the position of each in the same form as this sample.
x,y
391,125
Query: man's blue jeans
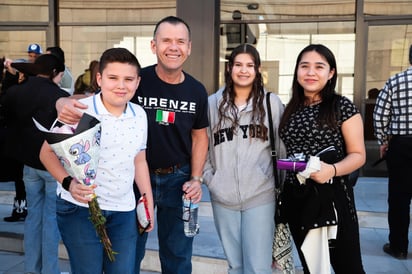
x,y
86,252
41,235
175,249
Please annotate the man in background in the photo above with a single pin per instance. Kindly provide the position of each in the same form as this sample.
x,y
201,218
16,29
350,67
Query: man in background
x,y
67,82
11,76
33,51
393,129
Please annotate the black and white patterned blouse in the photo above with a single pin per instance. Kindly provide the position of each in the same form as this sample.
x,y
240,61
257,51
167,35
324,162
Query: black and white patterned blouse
x,y
303,134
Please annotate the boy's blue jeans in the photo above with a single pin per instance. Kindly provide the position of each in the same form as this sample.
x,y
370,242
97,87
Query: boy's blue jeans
x,y
86,252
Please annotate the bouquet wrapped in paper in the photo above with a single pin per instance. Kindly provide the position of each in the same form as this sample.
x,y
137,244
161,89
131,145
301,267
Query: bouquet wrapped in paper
x,y
78,149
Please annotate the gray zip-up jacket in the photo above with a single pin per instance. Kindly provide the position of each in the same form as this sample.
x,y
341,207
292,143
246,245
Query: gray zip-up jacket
x,y
239,170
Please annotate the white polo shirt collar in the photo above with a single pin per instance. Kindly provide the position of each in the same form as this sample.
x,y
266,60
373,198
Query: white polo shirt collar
x,y
100,109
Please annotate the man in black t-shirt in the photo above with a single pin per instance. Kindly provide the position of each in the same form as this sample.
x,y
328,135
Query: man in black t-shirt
x,y
176,106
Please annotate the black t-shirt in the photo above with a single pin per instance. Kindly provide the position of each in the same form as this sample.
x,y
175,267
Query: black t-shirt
x,y
173,110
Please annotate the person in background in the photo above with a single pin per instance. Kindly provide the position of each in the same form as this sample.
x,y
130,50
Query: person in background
x,y
13,168
393,128
2,60
176,107
11,76
314,119
94,87
67,82
86,82
239,169
33,52
35,98
122,159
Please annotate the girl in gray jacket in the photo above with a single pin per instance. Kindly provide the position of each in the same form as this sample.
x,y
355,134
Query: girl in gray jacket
x,y
239,170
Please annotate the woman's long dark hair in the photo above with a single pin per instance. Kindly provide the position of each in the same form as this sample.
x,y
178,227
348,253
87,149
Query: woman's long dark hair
x,y
328,107
228,111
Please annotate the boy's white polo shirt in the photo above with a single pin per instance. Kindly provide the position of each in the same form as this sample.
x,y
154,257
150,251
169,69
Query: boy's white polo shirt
x,y
121,139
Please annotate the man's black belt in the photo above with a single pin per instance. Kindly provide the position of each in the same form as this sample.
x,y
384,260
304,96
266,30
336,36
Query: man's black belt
x,y
166,170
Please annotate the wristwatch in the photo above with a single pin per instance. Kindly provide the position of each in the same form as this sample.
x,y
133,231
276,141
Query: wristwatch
x,y
66,182
197,178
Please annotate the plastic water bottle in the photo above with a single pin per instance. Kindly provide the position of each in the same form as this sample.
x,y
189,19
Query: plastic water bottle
x,y
190,215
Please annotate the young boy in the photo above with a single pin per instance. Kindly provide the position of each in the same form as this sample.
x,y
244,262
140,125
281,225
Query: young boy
x,y
122,159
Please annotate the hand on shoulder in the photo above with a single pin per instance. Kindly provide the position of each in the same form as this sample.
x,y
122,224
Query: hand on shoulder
x,y
68,110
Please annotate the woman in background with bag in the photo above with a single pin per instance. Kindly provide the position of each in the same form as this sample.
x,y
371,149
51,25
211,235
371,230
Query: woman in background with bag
x,y
239,170
316,118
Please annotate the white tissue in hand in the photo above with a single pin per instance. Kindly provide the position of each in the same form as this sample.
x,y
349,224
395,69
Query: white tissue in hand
x,y
312,165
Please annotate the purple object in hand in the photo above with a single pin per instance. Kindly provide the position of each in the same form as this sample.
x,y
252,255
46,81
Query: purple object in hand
x,y
286,164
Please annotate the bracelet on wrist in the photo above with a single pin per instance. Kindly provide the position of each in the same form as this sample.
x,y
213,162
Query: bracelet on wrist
x,y
66,182
197,178
334,167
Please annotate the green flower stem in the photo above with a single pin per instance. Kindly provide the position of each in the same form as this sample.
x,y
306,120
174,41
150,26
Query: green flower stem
x,y
98,220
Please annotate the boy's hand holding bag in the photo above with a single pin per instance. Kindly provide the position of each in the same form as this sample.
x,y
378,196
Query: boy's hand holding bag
x,y
142,212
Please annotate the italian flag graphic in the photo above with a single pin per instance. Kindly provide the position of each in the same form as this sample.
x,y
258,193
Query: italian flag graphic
x,y
165,116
